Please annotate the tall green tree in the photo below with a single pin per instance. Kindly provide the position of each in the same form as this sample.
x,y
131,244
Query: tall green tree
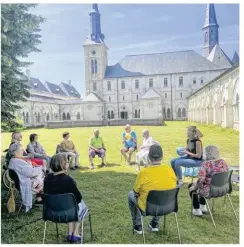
x,y
19,36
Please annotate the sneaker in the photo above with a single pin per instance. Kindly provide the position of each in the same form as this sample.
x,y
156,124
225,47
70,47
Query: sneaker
x,y
197,212
72,168
180,183
203,208
92,167
77,167
153,227
103,165
138,229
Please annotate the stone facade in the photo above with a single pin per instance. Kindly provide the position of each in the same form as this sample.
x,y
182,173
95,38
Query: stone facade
x,y
218,101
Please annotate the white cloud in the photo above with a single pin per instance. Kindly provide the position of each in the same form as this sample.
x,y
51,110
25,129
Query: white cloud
x,y
118,15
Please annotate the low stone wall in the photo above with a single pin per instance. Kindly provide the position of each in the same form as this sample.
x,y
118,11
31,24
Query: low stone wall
x,y
113,122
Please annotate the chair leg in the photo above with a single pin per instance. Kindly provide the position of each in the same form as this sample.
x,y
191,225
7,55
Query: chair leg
x,y
44,235
192,204
82,231
57,230
143,234
19,209
212,205
90,225
210,212
232,206
225,199
164,224
178,230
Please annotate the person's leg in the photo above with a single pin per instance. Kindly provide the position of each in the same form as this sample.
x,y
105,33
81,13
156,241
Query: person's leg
x,y
72,159
172,162
92,154
135,214
131,150
102,155
77,157
123,152
76,229
203,206
71,228
154,223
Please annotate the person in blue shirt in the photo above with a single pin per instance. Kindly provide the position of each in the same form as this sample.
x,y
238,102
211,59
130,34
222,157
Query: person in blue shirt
x,y
129,140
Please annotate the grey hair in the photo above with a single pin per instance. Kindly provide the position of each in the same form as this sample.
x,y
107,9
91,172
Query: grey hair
x,y
211,152
145,132
127,126
95,130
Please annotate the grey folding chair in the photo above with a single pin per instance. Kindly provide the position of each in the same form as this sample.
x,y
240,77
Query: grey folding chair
x,y
160,203
220,186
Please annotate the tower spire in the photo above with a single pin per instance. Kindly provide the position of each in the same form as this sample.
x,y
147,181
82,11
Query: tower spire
x,y
95,24
210,30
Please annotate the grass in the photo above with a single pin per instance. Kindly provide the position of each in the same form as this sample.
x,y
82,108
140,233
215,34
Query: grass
x,y
105,191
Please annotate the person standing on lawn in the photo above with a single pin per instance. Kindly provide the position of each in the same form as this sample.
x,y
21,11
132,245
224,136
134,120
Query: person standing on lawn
x,y
96,147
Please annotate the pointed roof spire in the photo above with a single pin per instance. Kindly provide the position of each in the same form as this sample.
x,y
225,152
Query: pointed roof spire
x,y
95,7
210,19
235,58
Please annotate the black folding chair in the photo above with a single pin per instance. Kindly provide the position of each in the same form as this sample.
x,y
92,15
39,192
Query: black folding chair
x,y
220,186
61,208
161,203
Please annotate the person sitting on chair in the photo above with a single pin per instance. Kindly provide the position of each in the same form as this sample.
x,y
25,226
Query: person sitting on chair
x,y
152,177
35,148
68,147
60,182
141,157
130,143
193,153
31,178
211,165
96,147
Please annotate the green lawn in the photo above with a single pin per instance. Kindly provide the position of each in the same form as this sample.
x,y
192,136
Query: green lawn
x,y
105,191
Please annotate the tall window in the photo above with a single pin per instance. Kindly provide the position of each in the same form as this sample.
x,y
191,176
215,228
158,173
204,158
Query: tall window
x,y
108,114
24,117
109,98
202,81
78,116
68,116
109,85
122,84
165,82
38,117
136,84
64,116
165,95
181,81
94,66
179,112
168,113
112,114
94,86
164,113
137,97
135,113
184,112
48,116
123,97
181,94
27,117
150,82
194,81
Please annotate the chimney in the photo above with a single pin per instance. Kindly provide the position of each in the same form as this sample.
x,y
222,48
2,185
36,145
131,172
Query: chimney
x,y
70,82
28,73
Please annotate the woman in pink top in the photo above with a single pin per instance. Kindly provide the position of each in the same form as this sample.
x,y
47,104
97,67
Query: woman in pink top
x,y
212,165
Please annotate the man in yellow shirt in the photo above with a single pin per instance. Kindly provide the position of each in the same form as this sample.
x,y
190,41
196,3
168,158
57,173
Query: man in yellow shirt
x,y
153,177
68,147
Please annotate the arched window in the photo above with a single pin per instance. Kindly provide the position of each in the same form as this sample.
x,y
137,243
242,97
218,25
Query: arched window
x,y
78,116
108,114
48,116
184,112
137,97
38,117
68,116
95,66
112,114
64,116
109,99
164,113
109,85
27,117
179,112
139,113
135,113
181,94
165,96
23,117
168,113
92,67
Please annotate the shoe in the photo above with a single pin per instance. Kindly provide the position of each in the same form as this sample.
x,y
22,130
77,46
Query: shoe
x,y
203,208
75,238
92,167
153,227
77,167
138,229
103,165
180,183
72,168
38,203
69,238
197,212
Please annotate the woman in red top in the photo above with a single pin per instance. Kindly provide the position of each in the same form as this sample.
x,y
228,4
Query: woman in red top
x,y
212,165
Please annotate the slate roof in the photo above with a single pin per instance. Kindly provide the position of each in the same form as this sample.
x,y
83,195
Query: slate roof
x,y
92,97
160,63
235,58
70,90
218,57
55,89
36,85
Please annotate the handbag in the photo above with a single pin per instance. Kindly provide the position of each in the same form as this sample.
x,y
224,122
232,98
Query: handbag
x,y
11,201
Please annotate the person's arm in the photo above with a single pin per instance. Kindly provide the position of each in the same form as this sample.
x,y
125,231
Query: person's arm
x,y
123,137
31,150
139,182
73,147
91,145
74,190
134,137
31,172
198,151
201,175
103,145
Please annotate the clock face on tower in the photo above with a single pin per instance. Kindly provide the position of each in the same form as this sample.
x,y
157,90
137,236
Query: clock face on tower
x,y
93,36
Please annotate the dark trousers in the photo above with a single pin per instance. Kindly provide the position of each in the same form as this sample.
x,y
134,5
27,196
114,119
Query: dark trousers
x,y
196,199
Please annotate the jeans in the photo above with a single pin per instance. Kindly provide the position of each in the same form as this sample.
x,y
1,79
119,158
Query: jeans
x,y
196,199
135,214
185,162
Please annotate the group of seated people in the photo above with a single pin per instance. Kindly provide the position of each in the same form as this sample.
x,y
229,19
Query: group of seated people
x,y
32,166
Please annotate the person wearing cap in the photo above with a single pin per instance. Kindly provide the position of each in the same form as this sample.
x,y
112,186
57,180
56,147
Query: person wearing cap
x,y
68,147
96,147
153,177
193,153
141,157
129,140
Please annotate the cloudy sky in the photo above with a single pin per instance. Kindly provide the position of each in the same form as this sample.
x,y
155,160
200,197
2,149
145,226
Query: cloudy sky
x,y
128,29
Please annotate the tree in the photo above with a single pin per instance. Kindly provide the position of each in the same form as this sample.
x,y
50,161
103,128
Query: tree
x,y
19,37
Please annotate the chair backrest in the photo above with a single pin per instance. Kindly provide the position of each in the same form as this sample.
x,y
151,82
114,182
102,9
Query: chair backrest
x,y
162,202
14,177
221,184
61,208
58,149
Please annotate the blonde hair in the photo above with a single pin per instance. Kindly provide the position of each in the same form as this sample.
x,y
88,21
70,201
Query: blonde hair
x,y
195,133
58,162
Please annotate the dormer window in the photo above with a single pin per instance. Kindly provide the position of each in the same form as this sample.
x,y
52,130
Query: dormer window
x,y
57,89
35,84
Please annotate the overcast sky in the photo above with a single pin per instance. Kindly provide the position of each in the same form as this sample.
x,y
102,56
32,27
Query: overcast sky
x,y
128,29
